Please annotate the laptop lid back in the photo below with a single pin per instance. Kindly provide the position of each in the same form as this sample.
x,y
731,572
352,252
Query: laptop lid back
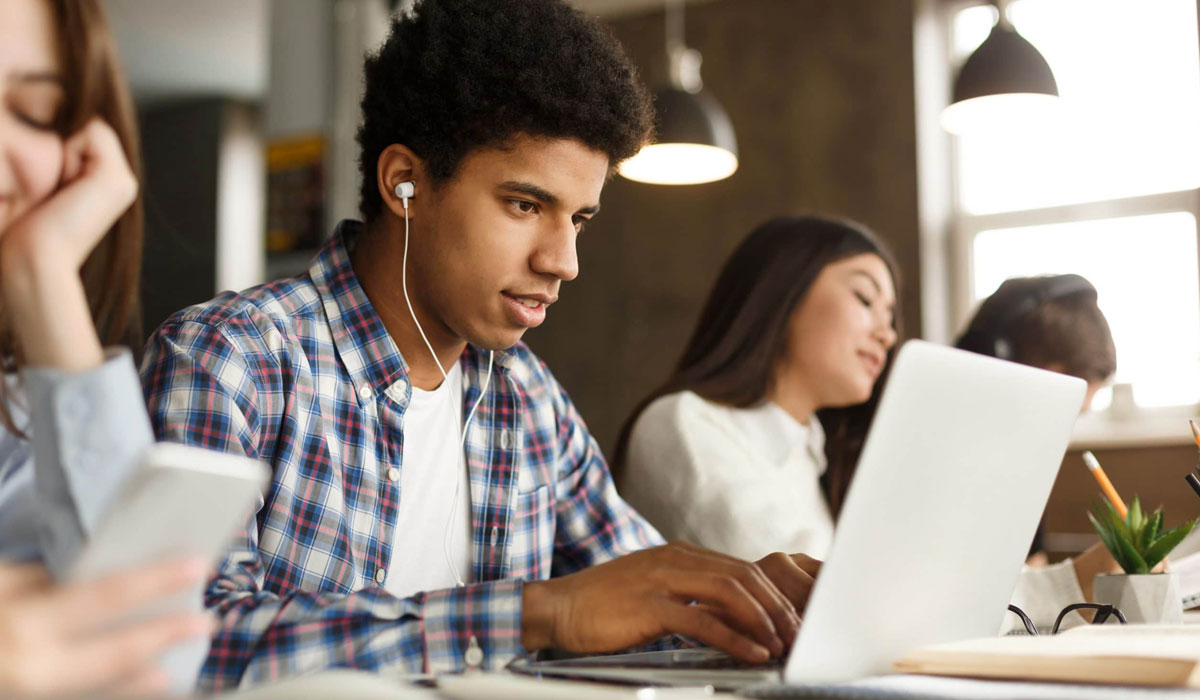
x,y
948,492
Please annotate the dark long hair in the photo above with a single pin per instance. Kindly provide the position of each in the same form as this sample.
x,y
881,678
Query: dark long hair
x,y
95,87
742,331
1049,322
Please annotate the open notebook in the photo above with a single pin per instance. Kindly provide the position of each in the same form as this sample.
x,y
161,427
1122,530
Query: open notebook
x,y
1154,655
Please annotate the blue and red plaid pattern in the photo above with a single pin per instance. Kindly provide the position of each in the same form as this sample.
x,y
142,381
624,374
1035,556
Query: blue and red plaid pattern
x,y
301,374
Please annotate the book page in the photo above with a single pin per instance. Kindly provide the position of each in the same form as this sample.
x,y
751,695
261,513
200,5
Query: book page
x,y
1136,630
1132,644
931,687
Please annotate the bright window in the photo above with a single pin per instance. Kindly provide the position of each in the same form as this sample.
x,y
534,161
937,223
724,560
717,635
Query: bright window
x,y
1108,189
1150,299
1128,72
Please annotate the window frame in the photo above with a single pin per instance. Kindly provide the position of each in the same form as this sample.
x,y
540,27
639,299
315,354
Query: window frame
x,y
1145,425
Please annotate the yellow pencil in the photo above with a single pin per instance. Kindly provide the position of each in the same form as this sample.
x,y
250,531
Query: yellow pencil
x,y
1106,486
1195,432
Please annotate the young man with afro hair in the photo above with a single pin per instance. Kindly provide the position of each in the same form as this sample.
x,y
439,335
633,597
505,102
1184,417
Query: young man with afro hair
x,y
436,500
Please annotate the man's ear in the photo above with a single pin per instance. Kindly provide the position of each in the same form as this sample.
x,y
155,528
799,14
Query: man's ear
x,y
397,163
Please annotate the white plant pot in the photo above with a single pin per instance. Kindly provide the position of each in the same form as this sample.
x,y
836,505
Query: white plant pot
x,y
1142,598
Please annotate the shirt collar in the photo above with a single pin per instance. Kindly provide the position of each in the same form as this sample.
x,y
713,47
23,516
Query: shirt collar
x,y
368,353
782,435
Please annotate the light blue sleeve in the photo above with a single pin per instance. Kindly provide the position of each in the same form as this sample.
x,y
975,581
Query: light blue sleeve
x,y
18,507
88,431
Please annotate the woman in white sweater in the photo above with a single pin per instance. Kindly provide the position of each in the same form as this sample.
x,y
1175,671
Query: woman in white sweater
x,y
750,445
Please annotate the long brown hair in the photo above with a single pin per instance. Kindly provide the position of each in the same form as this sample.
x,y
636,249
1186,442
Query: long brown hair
x,y
742,331
95,87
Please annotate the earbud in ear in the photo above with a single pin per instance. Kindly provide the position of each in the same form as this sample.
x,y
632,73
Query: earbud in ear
x,y
404,190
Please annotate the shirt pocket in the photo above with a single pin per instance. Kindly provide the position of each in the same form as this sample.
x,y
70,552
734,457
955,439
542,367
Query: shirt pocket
x,y
531,540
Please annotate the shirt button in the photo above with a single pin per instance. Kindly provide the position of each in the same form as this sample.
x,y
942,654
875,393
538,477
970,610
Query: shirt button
x,y
364,393
393,474
505,440
380,575
473,657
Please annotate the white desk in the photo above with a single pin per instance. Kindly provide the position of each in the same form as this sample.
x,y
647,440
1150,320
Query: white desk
x,y
362,685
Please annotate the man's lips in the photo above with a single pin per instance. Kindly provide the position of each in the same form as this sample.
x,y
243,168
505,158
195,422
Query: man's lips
x,y
528,310
536,297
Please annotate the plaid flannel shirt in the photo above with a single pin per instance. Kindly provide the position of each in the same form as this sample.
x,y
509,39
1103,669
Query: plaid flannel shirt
x,y
301,374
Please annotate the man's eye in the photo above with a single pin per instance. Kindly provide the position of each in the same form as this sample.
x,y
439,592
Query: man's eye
x,y
862,298
579,222
525,207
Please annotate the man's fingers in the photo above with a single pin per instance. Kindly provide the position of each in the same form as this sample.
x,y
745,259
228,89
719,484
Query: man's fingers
x,y
811,566
93,603
729,621
736,604
789,576
777,605
698,623
738,567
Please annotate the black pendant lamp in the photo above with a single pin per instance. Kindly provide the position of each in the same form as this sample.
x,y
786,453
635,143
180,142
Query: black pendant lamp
x,y
1005,80
694,141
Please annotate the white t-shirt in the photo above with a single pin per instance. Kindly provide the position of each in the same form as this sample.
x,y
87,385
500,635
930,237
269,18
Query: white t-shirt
x,y
432,464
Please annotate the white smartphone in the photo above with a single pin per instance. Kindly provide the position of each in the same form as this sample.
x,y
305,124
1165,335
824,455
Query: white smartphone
x,y
181,501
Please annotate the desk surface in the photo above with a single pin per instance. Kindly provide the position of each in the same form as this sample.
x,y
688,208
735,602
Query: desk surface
x,y
358,685
361,685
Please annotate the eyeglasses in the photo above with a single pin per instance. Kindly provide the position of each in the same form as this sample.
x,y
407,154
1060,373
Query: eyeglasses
x,y
1103,612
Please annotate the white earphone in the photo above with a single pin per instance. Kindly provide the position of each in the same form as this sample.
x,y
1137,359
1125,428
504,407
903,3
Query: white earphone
x,y
404,191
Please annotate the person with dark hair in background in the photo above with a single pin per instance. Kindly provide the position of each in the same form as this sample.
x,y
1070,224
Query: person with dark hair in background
x,y
74,422
1050,322
437,503
1054,323
749,446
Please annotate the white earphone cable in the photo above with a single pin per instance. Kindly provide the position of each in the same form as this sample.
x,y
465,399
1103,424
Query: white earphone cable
x,y
448,536
404,286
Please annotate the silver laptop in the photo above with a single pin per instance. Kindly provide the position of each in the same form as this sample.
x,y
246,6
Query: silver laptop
x,y
949,489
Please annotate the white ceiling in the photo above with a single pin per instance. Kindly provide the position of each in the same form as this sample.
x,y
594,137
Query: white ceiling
x,y
173,47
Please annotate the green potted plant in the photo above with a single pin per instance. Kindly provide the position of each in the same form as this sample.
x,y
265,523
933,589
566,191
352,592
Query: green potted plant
x,y
1138,543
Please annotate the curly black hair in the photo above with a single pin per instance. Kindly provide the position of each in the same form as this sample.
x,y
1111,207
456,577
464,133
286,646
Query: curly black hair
x,y
456,75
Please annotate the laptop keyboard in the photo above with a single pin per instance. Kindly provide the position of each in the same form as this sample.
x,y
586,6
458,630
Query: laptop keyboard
x,y
713,663
680,659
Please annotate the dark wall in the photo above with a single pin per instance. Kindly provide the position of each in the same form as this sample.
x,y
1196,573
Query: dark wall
x,y
180,151
1154,474
820,93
